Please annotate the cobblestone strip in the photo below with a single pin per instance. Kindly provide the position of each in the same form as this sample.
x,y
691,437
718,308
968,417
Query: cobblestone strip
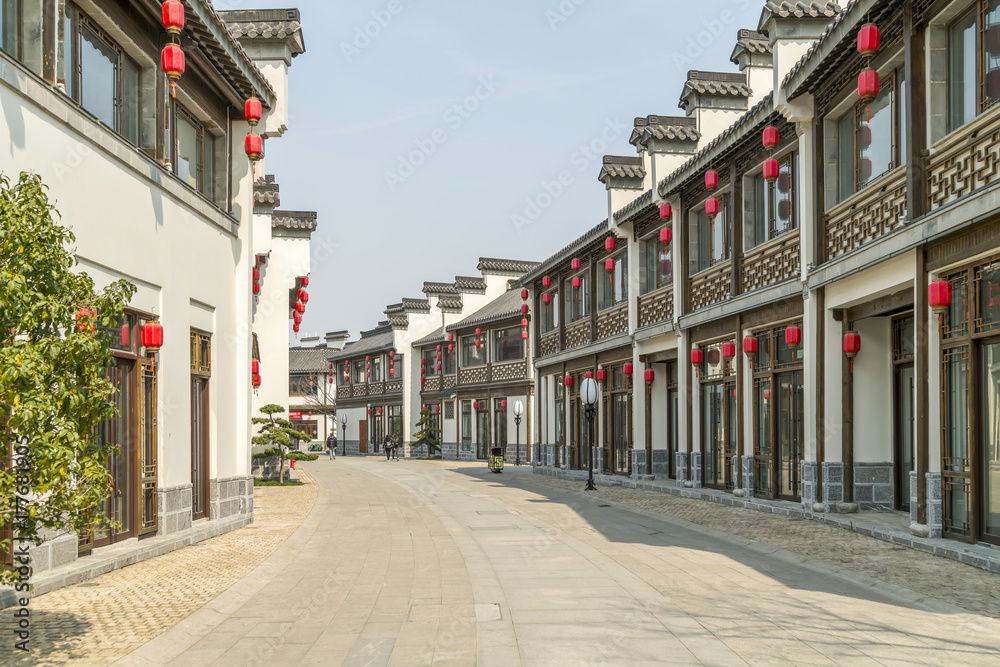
x,y
98,621
958,584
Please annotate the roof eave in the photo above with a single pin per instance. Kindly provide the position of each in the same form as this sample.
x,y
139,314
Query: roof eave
x,y
854,13
212,22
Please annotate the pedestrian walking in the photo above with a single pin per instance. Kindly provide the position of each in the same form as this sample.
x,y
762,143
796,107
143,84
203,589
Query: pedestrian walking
x,y
395,449
331,446
387,446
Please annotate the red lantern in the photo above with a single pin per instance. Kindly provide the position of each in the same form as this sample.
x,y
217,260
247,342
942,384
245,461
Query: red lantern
x,y
439,357
770,137
666,211
368,358
588,375
771,170
649,376
577,282
869,39
627,369
609,265
524,323
437,408
475,405
256,274
252,112
666,235
304,281
438,349
152,336
750,345
451,348
865,169
125,335
525,309
546,299
479,343
370,411
254,146
299,306
568,381
380,410
451,336
331,367
609,244
503,403
546,282
852,344
297,317
524,295
574,264
392,372
697,357
711,179
524,335
173,17
729,350
868,85
939,294
295,328
301,293
439,366
712,207
479,332
172,63
793,336
256,287
602,375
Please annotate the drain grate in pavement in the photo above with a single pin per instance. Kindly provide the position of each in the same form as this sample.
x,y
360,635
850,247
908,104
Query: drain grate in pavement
x,y
493,528
604,505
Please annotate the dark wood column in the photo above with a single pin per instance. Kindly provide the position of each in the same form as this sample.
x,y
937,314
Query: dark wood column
x,y
736,229
921,368
819,246
915,123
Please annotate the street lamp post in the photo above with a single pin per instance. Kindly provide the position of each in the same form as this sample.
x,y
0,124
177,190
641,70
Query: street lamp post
x,y
343,440
588,394
518,411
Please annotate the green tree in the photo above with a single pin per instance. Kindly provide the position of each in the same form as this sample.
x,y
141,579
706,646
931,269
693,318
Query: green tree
x,y
429,433
277,432
54,355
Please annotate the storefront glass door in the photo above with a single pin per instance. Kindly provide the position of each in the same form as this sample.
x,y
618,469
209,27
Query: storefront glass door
x,y
791,435
990,447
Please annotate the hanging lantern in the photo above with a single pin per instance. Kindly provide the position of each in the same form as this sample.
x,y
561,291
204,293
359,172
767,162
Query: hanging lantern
x,y
252,112
370,411
331,379
297,317
697,357
939,295
380,410
546,299
438,349
750,345
711,179
770,137
712,207
524,309
868,85
771,170
479,332
152,336
125,335
302,293
256,381
666,235
80,314
602,375
304,281
649,375
729,350
172,63
627,369
852,346
793,336
869,39
568,381
254,146
479,343
588,375
524,295
574,264
577,282
451,348
437,408
439,366
609,244
256,274
666,211
475,405
439,357
368,358
524,323
546,282
173,17
295,328
256,287
524,335
503,403
451,336
609,265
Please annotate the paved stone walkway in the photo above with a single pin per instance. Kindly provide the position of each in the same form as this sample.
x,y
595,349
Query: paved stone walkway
x,y
96,622
414,563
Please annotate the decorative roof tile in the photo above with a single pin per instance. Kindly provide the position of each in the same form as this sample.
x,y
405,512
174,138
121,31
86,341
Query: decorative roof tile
x,y
507,306
399,321
837,28
266,192
450,303
799,10
640,203
434,289
309,359
417,305
466,284
296,220
616,166
517,266
677,128
722,84
266,24
752,42
376,340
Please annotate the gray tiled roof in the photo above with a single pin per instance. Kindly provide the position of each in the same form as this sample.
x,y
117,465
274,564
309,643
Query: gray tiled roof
x,y
504,307
724,84
375,340
417,305
436,336
679,128
799,10
439,288
266,24
565,254
752,42
309,359
399,321
294,220
467,284
265,191
490,264
616,166
641,203
857,10
450,303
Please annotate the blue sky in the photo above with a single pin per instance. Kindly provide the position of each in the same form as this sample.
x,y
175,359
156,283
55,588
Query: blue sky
x,y
423,146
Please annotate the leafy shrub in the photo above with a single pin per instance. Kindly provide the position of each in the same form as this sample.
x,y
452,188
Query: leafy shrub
x,y
301,456
266,454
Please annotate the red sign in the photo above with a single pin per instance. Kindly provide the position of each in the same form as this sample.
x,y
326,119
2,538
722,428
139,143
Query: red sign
x,y
295,415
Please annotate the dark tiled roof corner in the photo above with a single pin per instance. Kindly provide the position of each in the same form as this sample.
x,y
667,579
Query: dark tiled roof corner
x,y
503,307
309,359
676,128
801,10
378,339
722,84
265,24
564,254
467,284
817,46
617,166
450,303
641,203
493,265
439,288
417,305
266,192
752,42
436,336
399,321
295,220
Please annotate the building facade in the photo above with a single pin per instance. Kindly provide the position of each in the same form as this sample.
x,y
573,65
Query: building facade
x,y
800,306
158,189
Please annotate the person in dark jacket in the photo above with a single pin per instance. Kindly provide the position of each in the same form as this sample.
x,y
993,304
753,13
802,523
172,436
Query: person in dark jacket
x,y
331,445
387,446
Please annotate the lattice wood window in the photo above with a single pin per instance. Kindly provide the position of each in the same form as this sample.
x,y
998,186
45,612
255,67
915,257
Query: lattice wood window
x,y
201,353
775,205
449,410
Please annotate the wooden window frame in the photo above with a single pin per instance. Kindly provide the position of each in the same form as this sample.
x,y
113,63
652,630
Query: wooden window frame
x,y
771,192
653,241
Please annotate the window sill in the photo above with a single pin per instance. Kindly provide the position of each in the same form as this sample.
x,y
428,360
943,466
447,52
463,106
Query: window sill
x,y
776,242
967,132
882,183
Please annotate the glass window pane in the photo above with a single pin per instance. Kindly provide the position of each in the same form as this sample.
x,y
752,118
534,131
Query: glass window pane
x,y
208,182
8,26
761,209
130,102
845,155
508,345
647,272
901,103
718,235
188,153
471,354
875,138
991,407
962,74
991,52
98,78
784,219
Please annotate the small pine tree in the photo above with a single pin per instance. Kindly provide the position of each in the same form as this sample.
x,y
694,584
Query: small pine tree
x,y
277,432
429,433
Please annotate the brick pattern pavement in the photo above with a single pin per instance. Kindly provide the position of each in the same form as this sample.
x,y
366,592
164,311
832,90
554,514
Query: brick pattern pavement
x,y
955,583
98,621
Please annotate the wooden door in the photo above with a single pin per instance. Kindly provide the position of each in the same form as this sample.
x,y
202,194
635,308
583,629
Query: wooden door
x,y
363,437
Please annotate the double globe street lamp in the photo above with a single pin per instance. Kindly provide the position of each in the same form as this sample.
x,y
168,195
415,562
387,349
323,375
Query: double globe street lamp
x,y
588,394
343,438
518,411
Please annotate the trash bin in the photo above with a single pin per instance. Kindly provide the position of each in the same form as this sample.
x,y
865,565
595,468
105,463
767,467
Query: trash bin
x,y
496,459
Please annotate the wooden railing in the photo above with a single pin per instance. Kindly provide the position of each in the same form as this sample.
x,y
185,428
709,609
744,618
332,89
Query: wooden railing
x,y
771,263
578,333
868,215
965,161
656,307
711,286
613,321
